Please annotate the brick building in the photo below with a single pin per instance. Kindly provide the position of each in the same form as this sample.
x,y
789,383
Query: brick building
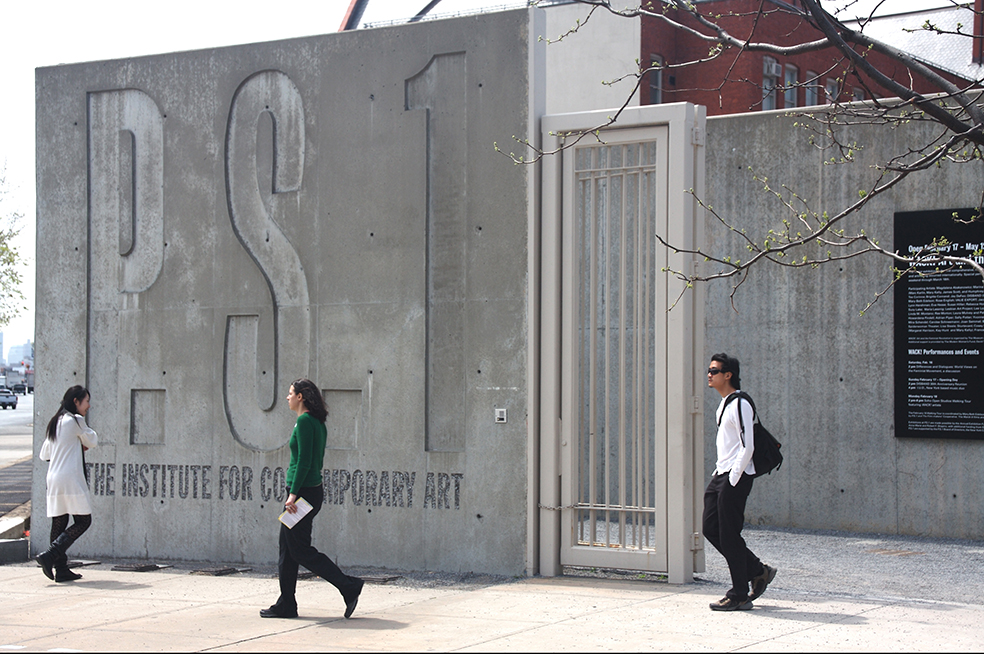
x,y
736,82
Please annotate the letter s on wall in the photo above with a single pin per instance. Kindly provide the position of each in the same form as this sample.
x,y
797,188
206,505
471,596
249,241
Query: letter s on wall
x,y
252,425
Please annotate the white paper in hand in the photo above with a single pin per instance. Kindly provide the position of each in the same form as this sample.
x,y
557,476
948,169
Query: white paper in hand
x,y
303,508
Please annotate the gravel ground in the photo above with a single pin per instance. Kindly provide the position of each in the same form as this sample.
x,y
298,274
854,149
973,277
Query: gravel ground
x,y
868,565
862,565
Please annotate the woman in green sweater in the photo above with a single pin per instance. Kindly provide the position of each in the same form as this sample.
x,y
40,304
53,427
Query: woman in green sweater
x,y
307,453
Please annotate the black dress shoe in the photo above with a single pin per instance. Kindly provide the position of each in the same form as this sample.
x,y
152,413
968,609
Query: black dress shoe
x,y
65,574
277,612
352,600
46,560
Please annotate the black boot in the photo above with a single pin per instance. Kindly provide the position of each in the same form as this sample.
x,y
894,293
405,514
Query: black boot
x,y
53,554
62,571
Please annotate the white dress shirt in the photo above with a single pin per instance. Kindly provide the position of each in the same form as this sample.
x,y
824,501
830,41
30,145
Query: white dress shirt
x,y
734,457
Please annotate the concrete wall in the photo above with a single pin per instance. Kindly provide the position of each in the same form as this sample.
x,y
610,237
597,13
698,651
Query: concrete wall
x,y
821,374
215,224
591,59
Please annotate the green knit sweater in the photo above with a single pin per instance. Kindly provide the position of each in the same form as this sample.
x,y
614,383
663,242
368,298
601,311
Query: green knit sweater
x,y
307,453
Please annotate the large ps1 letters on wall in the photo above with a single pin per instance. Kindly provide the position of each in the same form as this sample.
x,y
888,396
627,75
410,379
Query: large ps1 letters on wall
x,y
253,424
332,212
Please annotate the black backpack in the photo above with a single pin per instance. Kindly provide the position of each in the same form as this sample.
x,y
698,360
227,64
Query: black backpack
x,y
766,455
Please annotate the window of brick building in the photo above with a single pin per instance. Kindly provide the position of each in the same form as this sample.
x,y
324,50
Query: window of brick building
x,y
656,79
857,94
832,90
792,89
771,73
812,88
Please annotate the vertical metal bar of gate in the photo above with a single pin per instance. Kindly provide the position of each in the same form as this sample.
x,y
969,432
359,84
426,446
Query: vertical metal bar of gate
x,y
647,410
594,235
620,213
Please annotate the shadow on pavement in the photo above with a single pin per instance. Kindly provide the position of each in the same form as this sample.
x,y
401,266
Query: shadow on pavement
x,y
102,584
797,614
376,624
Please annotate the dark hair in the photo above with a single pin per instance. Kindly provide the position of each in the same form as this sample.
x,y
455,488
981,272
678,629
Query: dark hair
x,y
314,402
72,395
729,364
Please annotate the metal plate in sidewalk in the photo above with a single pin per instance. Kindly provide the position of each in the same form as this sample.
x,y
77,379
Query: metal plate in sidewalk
x,y
139,567
219,571
380,579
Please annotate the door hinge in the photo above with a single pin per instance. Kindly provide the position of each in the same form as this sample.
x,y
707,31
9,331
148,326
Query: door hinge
x,y
698,136
696,404
698,543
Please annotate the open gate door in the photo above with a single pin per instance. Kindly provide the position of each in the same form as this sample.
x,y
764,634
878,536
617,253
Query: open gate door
x,y
622,343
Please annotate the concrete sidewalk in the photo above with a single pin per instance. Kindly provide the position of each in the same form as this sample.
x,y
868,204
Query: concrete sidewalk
x,y
812,606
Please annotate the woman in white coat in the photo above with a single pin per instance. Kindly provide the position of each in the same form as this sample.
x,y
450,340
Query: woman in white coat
x,y
68,436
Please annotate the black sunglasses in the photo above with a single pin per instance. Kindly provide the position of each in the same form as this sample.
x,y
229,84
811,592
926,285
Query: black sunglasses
x,y
714,371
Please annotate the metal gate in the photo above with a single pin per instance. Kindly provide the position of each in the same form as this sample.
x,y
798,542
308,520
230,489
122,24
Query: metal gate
x,y
626,431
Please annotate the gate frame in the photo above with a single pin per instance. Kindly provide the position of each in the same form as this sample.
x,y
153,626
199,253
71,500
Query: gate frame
x,y
684,334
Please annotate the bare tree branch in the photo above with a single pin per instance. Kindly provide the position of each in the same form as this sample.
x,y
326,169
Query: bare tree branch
x,y
810,237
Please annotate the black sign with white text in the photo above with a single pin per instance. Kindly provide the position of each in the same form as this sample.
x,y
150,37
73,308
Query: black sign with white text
x,y
939,330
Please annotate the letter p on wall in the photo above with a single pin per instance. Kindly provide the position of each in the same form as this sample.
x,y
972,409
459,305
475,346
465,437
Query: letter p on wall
x,y
126,189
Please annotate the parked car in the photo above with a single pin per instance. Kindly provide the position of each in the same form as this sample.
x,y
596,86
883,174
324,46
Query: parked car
x,y
7,398
19,389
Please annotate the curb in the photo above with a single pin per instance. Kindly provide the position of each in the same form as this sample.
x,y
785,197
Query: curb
x,y
14,550
13,527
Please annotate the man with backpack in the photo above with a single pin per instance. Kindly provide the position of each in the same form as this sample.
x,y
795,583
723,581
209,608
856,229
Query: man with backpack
x,y
724,499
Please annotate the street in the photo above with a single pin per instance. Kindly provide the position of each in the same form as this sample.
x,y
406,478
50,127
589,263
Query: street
x,y
16,430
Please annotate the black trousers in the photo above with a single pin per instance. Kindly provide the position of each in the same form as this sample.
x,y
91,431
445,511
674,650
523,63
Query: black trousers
x,y
296,550
724,517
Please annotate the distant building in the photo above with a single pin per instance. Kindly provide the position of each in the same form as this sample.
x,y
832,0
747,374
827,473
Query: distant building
x,y
946,49
21,354
737,82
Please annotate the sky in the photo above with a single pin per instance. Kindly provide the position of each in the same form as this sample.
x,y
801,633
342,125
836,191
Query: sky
x,y
51,32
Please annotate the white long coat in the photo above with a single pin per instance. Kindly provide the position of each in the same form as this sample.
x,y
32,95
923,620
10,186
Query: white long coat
x,y
67,490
